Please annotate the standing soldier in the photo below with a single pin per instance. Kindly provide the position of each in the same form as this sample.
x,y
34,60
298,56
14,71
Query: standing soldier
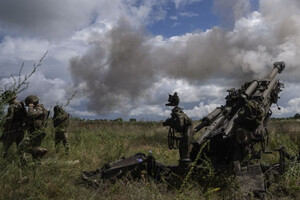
x,y
182,124
14,121
61,122
36,121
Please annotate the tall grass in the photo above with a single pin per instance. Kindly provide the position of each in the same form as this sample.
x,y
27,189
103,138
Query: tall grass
x,y
94,143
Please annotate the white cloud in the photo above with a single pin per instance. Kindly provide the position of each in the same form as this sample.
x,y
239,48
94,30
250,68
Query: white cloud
x,y
231,10
289,101
148,110
15,51
196,65
49,91
51,19
181,3
180,63
84,114
173,17
188,14
201,110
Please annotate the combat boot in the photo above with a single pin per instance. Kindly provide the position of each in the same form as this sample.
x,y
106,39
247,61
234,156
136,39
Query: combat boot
x,y
37,154
56,148
42,152
23,159
67,147
34,153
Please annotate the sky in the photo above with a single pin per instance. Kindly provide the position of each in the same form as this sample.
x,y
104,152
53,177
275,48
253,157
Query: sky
x,y
123,57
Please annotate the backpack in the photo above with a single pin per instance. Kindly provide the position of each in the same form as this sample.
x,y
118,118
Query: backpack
x,y
179,120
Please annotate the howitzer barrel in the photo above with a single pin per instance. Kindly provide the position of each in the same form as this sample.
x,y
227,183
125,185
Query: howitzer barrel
x,y
212,115
211,128
215,124
271,86
230,125
208,119
278,68
251,88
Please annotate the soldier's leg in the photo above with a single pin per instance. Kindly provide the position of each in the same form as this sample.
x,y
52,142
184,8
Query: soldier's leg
x,y
19,137
58,138
65,142
37,151
31,145
24,147
8,141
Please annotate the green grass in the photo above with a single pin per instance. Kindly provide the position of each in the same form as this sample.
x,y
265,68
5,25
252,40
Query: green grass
x,y
94,143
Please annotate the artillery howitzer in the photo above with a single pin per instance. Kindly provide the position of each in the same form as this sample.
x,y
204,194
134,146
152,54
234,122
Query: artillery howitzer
x,y
233,129
229,135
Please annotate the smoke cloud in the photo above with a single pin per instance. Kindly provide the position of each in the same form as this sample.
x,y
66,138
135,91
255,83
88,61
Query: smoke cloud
x,y
123,65
231,10
116,70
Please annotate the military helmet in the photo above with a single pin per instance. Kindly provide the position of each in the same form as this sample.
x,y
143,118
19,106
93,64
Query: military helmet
x,y
9,95
31,99
173,100
57,109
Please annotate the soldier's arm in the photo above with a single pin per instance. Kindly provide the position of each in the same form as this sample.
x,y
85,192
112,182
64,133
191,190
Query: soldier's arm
x,y
64,116
61,118
34,112
10,112
9,117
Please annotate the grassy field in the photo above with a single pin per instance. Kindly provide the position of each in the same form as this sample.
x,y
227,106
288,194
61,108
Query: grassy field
x,y
95,143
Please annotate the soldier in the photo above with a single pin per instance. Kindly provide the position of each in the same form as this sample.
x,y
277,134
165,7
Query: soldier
x,y
36,121
179,123
14,122
60,123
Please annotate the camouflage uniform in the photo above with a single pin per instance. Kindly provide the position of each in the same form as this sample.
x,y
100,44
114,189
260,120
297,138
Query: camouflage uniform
x,y
179,123
36,122
61,122
13,126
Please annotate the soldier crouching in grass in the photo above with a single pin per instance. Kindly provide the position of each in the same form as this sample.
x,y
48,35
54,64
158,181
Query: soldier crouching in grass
x,y
14,121
60,123
36,121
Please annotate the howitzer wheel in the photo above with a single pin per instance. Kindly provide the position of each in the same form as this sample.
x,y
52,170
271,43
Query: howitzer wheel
x,y
172,141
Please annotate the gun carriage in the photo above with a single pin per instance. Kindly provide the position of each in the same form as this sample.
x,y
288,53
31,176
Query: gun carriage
x,y
232,130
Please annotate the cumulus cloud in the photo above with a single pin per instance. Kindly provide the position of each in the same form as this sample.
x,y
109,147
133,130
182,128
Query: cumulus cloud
x,y
54,19
188,14
201,110
122,67
173,17
50,91
149,110
289,100
231,11
179,3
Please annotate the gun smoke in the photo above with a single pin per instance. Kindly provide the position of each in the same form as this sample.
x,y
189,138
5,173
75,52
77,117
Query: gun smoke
x,y
123,64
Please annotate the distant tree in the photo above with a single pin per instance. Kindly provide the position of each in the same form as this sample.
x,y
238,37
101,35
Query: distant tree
x,y
297,116
132,120
118,120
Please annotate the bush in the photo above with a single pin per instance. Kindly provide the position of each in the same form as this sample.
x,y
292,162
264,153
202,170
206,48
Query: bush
x,y
297,116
